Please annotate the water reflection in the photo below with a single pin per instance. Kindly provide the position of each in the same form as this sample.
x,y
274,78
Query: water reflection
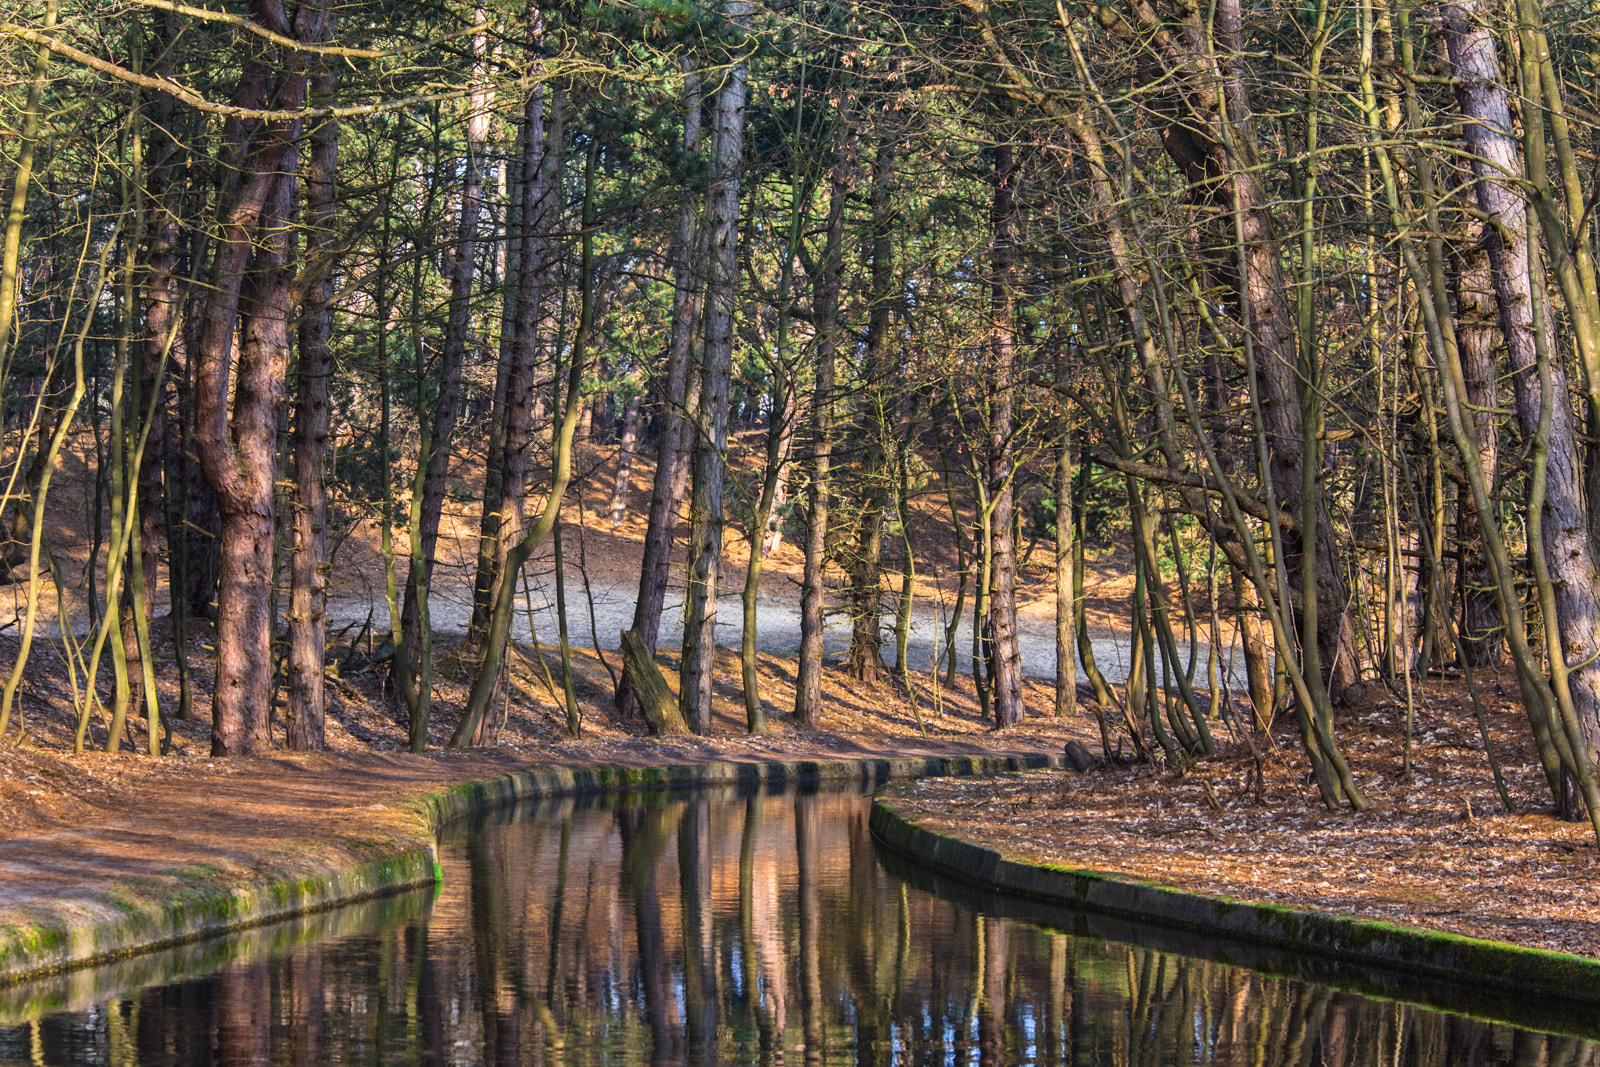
x,y
711,928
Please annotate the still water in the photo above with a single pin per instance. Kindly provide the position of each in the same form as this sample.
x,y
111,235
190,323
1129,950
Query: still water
x,y
718,927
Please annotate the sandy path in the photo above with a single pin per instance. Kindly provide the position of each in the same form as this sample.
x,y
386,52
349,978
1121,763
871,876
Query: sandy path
x,y
777,623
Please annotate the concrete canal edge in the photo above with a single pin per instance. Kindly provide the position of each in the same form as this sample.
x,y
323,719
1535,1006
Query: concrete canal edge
x,y
131,915
1512,970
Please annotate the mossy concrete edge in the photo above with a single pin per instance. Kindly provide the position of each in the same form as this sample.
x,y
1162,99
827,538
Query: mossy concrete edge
x,y
191,903
1430,954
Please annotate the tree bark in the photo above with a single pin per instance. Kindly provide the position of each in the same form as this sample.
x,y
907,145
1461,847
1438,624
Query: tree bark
x,y
493,480
1212,140
1005,648
308,590
238,450
625,449
865,563
1483,101
164,334
453,353
1066,618
543,138
661,522
706,506
1476,335
825,284
649,687
498,634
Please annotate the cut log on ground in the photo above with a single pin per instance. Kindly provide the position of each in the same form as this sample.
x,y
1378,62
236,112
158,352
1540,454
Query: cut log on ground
x,y
644,680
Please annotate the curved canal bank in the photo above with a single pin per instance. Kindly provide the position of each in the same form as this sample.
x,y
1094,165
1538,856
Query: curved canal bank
x,y
1504,968
63,906
741,925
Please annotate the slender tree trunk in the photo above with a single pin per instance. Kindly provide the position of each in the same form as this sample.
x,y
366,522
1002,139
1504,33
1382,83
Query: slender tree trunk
x,y
308,590
625,449
163,341
1214,146
493,480
239,453
661,522
866,562
453,353
813,592
706,516
1066,618
543,144
1482,98
1005,647
1476,336
498,634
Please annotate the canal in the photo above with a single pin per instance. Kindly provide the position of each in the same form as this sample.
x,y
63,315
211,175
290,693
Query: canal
x,y
721,927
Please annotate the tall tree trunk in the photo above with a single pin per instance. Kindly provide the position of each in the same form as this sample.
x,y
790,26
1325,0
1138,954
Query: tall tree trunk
x,y
164,335
1213,143
308,577
661,522
866,560
543,149
499,632
1488,128
1005,648
452,356
722,278
825,296
512,176
1476,335
238,442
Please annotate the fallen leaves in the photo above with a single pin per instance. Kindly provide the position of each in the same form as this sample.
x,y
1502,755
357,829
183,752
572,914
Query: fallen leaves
x,y
1415,856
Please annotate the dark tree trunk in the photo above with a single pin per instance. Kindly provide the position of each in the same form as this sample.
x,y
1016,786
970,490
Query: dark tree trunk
x,y
543,145
1483,101
1476,335
866,560
625,449
1211,139
1005,650
163,332
493,479
661,523
308,577
239,453
706,505
452,356
813,592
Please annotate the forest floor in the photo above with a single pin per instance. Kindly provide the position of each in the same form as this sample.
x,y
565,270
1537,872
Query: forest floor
x,y
1435,847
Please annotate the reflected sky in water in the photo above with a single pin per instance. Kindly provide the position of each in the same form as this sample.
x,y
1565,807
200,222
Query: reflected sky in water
x,y
712,928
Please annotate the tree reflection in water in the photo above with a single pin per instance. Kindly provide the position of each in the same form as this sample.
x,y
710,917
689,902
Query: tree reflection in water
x,y
715,928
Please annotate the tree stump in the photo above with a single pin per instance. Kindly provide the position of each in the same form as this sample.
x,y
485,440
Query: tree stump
x,y
1081,759
645,680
